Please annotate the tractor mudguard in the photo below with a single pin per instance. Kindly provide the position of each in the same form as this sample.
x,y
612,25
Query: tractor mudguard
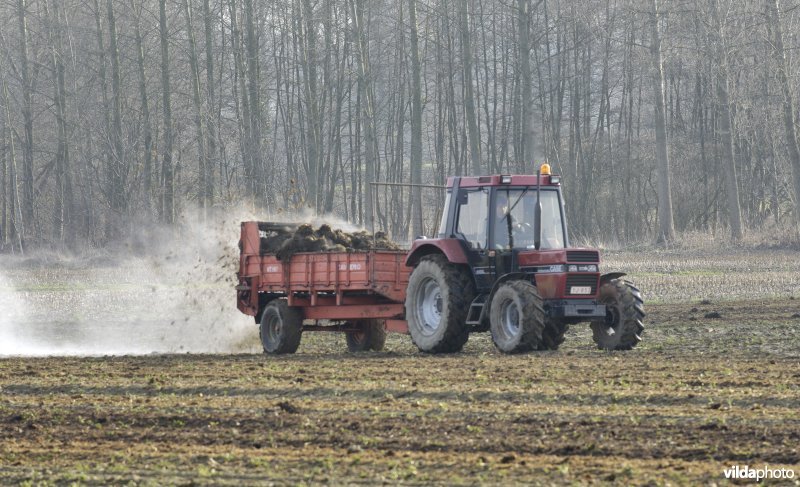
x,y
452,248
611,275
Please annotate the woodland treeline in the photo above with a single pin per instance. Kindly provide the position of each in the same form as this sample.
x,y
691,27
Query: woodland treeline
x,y
664,116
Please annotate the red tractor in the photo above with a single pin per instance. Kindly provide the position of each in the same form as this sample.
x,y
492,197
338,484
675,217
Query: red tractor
x,y
501,262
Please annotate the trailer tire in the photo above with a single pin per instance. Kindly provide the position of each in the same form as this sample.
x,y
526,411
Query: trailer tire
x,y
437,301
622,327
553,334
516,317
281,328
372,336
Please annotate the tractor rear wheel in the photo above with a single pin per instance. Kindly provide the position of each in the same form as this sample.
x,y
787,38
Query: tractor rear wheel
x,y
622,327
553,334
516,317
281,328
371,336
438,298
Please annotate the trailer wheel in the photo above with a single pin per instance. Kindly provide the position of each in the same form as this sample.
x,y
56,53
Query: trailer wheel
x,y
553,334
516,317
372,336
438,298
622,328
281,327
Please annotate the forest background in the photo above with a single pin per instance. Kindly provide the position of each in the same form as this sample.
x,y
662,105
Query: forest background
x,y
665,117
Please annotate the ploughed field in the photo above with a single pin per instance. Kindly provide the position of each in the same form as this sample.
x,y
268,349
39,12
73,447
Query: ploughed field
x,y
715,383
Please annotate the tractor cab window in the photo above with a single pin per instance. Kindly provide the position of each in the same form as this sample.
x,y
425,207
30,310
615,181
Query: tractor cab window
x,y
473,210
514,217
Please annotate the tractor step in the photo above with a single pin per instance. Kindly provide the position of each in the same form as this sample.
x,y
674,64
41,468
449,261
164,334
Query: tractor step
x,y
475,309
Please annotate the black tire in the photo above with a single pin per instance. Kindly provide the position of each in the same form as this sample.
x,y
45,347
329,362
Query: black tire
x,y
622,328
553,334
516,317
372,336
281,328
437,301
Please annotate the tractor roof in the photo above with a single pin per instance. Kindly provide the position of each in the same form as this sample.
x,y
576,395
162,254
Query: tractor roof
x,y
505,180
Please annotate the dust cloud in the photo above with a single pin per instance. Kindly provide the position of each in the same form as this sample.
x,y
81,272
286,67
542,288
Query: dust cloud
x,y
158,291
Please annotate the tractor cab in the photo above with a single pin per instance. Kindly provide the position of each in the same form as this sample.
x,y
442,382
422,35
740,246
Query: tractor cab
x,y
501,212
505,222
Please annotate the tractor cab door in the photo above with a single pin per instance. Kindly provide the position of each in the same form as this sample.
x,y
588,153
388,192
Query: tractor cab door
x,y
503,230
471,226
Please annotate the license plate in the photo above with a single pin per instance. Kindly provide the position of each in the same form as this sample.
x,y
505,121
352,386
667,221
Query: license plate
x,y
580,290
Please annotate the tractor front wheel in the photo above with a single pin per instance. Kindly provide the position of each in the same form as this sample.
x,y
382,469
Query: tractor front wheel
x,y
516,317
438,298
553,334
371,336
281,328
622,327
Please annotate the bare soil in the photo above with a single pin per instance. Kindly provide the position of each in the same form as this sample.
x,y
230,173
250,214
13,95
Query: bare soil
x,y
715,383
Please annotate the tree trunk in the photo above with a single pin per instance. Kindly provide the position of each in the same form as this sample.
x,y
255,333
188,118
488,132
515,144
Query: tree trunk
x,y
17,222
167,172
147,129
27,202
313,122
789,121
368,110
726,122
666,228
117,169
469,97
202,162
240,94
526,110
62,210
254,103
417,227
211,125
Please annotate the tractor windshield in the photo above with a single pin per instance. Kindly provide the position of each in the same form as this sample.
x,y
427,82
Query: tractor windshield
x,y
514,218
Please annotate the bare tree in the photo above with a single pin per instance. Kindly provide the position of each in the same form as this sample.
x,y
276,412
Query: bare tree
x,y
469,97
789,120
27,202
720,53
666,228
416,124
199,125
147,128
167,206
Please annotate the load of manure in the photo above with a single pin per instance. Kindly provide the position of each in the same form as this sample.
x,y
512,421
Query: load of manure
x,y
286,240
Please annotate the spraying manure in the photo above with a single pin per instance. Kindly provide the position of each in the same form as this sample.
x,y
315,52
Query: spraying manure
x,y
284,240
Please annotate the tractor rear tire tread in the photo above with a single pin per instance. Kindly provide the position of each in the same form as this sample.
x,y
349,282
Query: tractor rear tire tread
x,y
460,290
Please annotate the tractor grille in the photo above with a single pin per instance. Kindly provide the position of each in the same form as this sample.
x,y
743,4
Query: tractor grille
x,y
582,280
582,256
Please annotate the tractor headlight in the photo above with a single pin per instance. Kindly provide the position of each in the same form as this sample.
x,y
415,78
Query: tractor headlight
x,y
505,179
555,179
